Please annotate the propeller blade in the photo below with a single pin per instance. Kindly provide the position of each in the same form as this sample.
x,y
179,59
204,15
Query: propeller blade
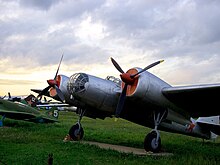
x,y
146,68
121,102
45,99
53,84
116,65
3,97
44,91
9,95
58,67
39,98
60,94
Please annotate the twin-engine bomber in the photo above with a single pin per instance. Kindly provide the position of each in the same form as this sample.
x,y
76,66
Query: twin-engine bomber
x,y
142,98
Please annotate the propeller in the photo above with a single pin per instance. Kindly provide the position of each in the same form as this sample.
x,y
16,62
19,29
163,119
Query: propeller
x,y
53,83
128,79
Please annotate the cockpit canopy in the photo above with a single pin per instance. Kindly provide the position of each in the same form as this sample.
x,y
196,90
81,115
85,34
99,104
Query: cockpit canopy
x,y
77,82
114,79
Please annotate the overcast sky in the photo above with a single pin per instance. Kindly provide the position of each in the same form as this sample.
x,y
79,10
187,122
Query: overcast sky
x,y
35,33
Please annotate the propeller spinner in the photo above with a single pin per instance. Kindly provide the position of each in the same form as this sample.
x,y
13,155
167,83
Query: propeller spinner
x,y
54,83
128,79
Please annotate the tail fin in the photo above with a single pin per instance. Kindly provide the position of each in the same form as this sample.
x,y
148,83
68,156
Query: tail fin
x,y
31,100
210,123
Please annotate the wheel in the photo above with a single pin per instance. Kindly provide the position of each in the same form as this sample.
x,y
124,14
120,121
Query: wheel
x,y
150,143
76,133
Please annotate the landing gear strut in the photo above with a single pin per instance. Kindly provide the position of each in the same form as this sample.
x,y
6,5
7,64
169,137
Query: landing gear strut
x,y
76,132
152,141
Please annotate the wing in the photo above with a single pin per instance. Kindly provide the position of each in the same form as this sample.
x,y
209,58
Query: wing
x,y
16,111
197,100
15,114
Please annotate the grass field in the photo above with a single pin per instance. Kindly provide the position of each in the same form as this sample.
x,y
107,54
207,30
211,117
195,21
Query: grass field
x,y
29,143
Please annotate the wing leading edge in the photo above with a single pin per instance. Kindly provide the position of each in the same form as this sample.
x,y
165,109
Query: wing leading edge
x,y
196,100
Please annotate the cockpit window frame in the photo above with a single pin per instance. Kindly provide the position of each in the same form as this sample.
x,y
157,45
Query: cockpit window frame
x,y
77,83
117,81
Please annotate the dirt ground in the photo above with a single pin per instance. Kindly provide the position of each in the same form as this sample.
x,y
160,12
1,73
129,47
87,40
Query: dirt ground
x,y
123,149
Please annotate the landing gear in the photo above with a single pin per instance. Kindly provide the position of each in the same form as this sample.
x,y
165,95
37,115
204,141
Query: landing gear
x,y
152,141
76,132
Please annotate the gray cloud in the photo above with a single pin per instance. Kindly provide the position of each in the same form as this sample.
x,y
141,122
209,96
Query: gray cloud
x,y
157,24
36,33
39,4
71,10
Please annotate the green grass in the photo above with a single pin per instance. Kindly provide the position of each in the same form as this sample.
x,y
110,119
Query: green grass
x,y
29,143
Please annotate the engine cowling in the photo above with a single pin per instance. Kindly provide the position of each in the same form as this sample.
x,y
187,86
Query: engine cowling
x,y
146,88
62,83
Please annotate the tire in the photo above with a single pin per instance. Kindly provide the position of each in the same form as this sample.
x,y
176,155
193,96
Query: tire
x,y
75,133
150,142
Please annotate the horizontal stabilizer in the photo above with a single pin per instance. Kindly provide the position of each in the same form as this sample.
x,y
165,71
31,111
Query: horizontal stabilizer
x,y
209,123
212,127
37,90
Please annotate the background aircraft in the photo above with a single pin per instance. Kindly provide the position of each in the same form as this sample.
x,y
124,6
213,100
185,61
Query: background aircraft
x,y
142,98
26,110
12,98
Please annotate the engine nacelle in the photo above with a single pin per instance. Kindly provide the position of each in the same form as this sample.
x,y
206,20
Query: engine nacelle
x,y
63,80
147,88
148,92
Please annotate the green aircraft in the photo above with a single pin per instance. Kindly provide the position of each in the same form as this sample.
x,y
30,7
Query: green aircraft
x,y
27,110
